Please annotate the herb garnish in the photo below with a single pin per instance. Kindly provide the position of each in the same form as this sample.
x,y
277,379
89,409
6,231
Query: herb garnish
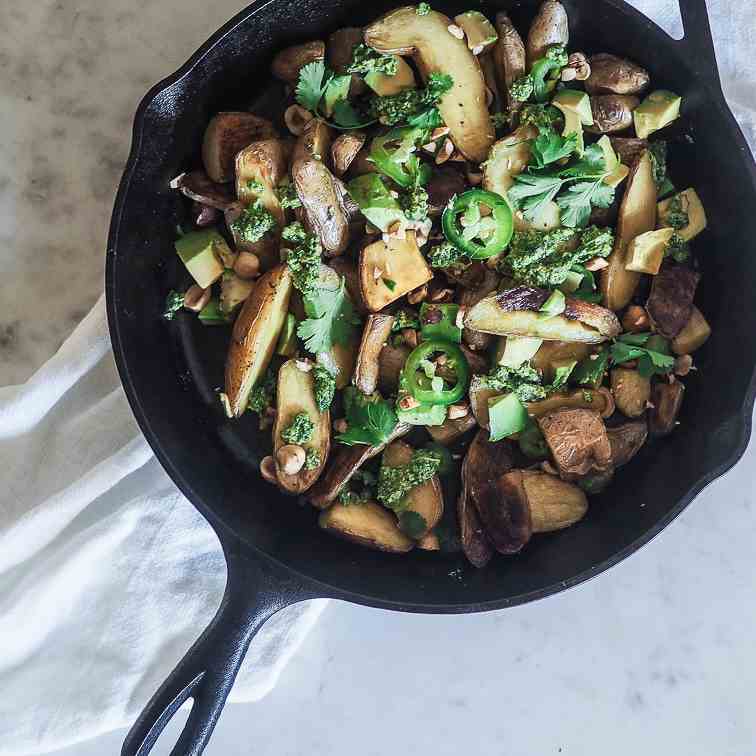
x,y
370,419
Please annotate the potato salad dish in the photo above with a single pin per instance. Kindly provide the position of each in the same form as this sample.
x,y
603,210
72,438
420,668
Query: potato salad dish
x,y
456,278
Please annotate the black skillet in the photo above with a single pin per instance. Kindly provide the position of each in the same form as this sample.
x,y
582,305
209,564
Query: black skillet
x,y
276,554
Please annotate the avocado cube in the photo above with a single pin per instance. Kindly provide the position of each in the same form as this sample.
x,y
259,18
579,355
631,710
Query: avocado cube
x,y
479,31
515,350
425,414
658,110
337,89
384,85
375,201
687,202
234,290
616,171
202,253
576,108
645,253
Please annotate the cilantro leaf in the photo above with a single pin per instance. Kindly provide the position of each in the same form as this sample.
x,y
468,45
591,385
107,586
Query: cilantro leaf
x,y
531,192
311,85
370,419
577,201
331,319
345,115
549,147
630,346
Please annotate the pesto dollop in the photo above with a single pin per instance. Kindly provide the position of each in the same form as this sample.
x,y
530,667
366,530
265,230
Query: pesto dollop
x,y
299,431
394,483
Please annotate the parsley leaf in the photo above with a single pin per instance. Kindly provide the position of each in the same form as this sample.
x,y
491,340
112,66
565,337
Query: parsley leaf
x,y
331,318
311,85
370,419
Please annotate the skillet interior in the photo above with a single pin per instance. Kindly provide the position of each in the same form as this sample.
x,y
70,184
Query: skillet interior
x,y
171,372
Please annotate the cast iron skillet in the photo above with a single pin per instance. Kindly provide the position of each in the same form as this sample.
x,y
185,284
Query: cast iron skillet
x,y
276,555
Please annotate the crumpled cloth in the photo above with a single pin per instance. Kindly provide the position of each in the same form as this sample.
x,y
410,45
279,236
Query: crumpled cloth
x,y
107,573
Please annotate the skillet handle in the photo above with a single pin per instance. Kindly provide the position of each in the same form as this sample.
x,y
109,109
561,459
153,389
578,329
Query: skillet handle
x,y
255,591
698,40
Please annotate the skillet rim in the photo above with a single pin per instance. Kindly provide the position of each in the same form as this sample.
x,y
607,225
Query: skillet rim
x,y
227,536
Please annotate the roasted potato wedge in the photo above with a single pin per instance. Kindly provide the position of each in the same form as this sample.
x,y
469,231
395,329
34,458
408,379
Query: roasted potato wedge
x,y
626,441
287,63
295,393
399,261
636,216
390,363
443,184
553,354
434,49
368,524
345,149
374,337
554,503
322,200
426,500
508,158
475,543
578,442
479,395
508,56
198,186
667,399
339,51
631,391
693,334
255,335
611,74
612,113
346,267
600,400
227,134
629,149
467,297
451,430
515,312
550,27
670,304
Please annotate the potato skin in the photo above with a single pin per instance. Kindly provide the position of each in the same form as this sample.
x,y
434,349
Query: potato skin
x,y
287,62
509,59
667,399
611,74
368,524
554,503
670,304
693,335
550,27
374,336
631,391
626,440
612,113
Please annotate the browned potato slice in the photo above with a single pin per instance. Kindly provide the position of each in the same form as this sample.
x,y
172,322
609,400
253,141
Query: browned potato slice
x,y
479,395
346,267
390,363
361,165
426,500
475,543
554,503
436,50
636,216
667,400
487,65
451,430
198,187
342,465
550,27
286,64
515,312
399,261
613,75
429,542
227,134
578,442
467,297
693,335
670,304
374,337
626,441
345,149
322,200
368,524
612,113
344,357
255,335
443,184
295,394
600,400
631,391
508,56
339,52
553,354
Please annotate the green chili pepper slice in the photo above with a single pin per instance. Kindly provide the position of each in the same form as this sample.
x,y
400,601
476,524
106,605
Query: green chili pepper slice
x,y
399,162
463,223
422,387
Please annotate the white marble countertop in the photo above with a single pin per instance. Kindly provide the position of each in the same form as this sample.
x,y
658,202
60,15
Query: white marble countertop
x,y
657,655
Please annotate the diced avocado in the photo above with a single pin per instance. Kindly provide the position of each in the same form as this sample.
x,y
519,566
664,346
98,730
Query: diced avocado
x,y
571,283
384,85
645,253
202,252
658,110
425,414
234,291
337,89
375,201
576,108
479,31
616,171
211,315
518,349
287,341
673,211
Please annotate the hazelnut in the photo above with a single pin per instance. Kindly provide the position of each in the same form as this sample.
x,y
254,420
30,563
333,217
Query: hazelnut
x,y
446,151
408,402
635,319
683,364
455,31
296,118
418,295
247,265
578,63
456,411
196,298
291,458
409,337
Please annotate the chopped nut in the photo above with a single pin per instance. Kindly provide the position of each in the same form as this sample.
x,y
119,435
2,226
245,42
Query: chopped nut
x,y
457,157
247,265
478,49
446,151
457,411
683,364
409,337
296,118
578,63
268,469
430,147
408,402
304,365
459,321
340,425
196,298
377,273
650,405
635,319
418,295
596,264
441,295
371,229
291,458
440,131
224,400
455,31
568,74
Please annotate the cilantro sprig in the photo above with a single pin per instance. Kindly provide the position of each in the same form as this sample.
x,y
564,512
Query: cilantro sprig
x,y
633,346
370,419
331,318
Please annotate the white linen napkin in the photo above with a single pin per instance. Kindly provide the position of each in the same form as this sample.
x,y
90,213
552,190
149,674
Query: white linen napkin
x,y
107,573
